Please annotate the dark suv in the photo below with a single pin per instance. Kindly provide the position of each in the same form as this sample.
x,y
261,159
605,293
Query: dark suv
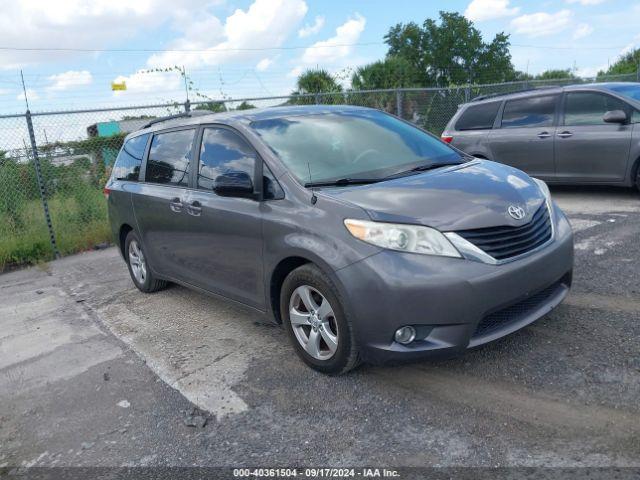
x,y
368,238
587,134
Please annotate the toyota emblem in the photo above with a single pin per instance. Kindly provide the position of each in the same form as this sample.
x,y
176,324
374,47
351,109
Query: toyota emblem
x,y
516,212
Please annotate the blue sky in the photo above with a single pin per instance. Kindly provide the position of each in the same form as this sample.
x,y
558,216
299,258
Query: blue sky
x,y
255,48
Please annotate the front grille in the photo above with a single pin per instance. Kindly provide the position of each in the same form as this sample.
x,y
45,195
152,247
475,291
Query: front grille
x,y
506,242
516,312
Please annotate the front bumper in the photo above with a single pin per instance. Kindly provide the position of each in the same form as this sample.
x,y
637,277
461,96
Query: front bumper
x,y
454,304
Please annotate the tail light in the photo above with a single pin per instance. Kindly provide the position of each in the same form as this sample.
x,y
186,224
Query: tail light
x,y
106,191
446,138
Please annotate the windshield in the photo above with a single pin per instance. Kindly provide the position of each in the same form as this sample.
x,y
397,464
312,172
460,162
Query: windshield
x,y
631,91
326,147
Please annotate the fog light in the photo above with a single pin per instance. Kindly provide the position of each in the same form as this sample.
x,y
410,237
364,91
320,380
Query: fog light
x,y
405,335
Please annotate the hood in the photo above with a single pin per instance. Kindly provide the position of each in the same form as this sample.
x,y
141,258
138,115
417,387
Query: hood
x,y
473,195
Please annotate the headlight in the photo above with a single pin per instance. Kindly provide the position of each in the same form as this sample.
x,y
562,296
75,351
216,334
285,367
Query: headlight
x,y
544,188
403,238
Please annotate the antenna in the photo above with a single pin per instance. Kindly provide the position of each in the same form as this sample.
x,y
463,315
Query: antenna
x,y
314,199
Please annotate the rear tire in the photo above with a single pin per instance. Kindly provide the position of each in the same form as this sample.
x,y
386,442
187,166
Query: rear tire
x,y
319,329
138,265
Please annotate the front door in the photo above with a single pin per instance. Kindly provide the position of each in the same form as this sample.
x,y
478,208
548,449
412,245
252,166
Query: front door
x,y
587,148
225,241
524,135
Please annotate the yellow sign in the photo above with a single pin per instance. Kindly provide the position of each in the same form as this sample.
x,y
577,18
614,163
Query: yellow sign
x,y
118,86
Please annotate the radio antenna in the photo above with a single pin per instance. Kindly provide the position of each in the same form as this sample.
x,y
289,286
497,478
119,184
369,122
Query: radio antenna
x,y
314,199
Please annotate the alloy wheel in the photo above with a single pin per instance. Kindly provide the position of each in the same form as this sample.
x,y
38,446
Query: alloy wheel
x,y
313,322
137,262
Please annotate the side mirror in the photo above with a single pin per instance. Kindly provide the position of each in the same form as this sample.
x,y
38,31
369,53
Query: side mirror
x,y
615,116
234,184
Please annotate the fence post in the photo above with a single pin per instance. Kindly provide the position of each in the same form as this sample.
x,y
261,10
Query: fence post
x,y
399,103
317,98
41,184
187,106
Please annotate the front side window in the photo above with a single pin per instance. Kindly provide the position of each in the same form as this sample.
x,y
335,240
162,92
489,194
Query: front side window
x,y
364,144
127,165
635,116
478,117
222,152
169,158
588,108
529,112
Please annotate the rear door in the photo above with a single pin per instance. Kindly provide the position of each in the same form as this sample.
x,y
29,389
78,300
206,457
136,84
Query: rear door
x,y
470,130
225,240
159,203
524,133
587,148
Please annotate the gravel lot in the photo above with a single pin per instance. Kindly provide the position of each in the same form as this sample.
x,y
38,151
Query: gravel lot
x,y
93,372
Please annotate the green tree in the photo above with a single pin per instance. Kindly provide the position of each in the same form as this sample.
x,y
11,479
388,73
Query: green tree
x,y
245,106
317,81
556,75
214,107
392,72
627,63
451,52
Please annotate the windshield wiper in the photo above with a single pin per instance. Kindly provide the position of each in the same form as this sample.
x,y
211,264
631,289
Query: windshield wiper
x,y
421,168
342,182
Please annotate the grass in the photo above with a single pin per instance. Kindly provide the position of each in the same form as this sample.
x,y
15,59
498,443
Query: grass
x,y
79,221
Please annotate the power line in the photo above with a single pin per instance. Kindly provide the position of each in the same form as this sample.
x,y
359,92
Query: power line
x,y
184,50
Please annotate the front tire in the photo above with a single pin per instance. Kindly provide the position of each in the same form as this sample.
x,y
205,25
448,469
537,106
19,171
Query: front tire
x,y
138,265
319,329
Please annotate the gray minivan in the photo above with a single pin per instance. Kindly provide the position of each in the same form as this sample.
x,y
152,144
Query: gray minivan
x,y
580,134
368,238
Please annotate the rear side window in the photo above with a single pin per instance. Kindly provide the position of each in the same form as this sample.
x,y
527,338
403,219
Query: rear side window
x,y
169,158
478,117
223,151
529,112
588,108
127,166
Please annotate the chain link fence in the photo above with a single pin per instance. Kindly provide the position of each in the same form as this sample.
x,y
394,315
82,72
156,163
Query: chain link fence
x,y
53,165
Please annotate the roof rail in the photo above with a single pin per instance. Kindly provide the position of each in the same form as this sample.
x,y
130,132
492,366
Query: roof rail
x,y
494,95
195,113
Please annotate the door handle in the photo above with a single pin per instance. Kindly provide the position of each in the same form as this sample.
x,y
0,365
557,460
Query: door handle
x,y
565,134
195,208
175,205
544,135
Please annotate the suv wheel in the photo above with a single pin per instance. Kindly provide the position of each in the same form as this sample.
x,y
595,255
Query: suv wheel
x,y
316,323
138,264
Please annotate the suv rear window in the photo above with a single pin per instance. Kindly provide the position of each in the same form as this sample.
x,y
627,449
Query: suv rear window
x,y
478,117
529,112
127,165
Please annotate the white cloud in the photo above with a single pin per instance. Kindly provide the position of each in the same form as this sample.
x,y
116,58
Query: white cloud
x,y
337,47
586,72
161,84
264,23
79,24
587,2
264,64
70,79
582,30
481,10
541,24
309,30
31,95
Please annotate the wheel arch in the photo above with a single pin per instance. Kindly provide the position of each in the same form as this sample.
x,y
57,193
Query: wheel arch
x,y
282,269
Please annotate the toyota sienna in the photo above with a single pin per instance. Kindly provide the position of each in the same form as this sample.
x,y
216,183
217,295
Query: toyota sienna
x,y
366,237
